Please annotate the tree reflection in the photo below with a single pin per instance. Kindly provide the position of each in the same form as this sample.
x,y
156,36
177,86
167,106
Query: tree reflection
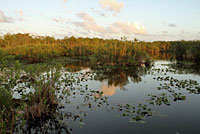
x,y
66,86
185,67
162,56
114,75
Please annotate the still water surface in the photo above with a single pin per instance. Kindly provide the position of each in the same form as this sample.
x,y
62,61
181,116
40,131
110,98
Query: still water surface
x,y
177,111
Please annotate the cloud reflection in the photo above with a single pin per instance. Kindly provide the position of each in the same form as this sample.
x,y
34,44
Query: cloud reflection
x,y
108,90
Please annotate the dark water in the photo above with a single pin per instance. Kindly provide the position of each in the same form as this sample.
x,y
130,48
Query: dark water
x,y
97,99
176,112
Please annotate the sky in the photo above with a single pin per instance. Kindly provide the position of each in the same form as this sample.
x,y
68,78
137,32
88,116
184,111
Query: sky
x,y
148,20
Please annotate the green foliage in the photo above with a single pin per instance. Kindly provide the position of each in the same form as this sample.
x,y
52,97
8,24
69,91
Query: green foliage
x,y
110,61
39,49
186,50
5,59
5,98
6,104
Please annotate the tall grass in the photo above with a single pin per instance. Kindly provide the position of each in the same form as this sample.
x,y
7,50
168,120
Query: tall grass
x,y
110,51
37,104
41,48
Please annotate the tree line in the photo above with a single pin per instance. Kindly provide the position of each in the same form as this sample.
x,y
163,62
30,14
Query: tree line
x,y
40,48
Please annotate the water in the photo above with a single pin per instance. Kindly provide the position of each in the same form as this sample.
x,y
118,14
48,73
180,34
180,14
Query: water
x,y
162,99
124,88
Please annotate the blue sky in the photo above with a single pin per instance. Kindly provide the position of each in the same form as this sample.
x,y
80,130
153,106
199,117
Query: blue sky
x,y
143,19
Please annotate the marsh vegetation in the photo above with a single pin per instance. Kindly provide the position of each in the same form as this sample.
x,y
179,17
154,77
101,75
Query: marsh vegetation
x,y
74,85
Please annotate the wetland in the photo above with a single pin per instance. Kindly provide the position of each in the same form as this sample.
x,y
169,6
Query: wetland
x,y
74,86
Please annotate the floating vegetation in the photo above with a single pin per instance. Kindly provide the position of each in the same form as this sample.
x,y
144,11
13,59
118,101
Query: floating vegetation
x,y
49,98
136,114
47,92
170,84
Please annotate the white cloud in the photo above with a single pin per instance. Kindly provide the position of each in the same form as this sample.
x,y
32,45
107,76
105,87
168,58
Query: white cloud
x,y
21,12
63,3
130,28
172,25
20,15
98,12
86,17
165,32
158,36
42,14
118,28
88,23
4,18
111,5
184,32
58,19
112,30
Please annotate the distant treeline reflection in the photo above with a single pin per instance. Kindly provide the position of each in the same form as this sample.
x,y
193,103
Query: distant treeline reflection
x,y
116,76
